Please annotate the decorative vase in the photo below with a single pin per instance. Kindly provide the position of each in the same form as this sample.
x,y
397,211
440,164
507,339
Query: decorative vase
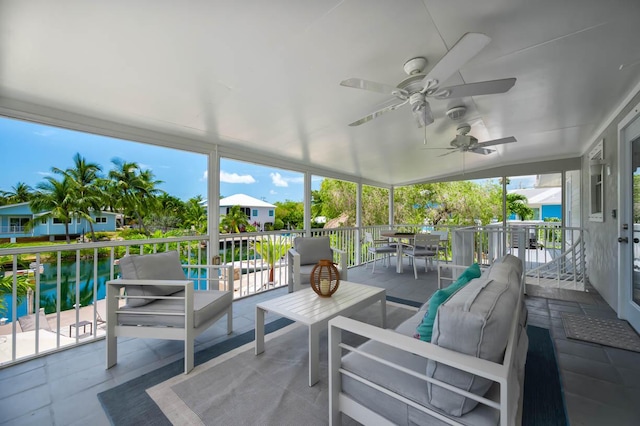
x,y
325,278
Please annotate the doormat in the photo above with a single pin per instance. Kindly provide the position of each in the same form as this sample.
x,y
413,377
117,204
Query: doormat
x,y
604,331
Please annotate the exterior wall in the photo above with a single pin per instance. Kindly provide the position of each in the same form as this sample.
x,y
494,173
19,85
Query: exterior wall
x,y
601,238
262,217
572,199
551,210
49,228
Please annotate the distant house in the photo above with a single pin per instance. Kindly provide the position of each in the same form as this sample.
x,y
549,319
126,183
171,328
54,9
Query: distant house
x,y
545,202
14,219
259,213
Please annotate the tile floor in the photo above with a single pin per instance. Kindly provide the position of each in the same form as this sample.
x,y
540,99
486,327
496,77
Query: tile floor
x,y
601,384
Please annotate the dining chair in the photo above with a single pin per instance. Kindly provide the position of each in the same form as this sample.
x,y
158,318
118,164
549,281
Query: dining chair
x,y
425,246
444,243
377,247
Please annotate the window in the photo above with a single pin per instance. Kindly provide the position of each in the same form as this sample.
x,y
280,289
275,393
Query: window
x,y
58,221
17,224
43,221
254,212
78,220
245,210
101,219
596,187
271,213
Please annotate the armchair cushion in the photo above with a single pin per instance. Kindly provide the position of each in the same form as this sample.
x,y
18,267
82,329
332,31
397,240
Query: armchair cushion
x,y
206,304
159,266
313,249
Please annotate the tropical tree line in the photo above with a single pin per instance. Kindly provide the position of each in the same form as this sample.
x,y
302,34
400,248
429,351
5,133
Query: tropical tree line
x,y
442,203
127,188
133,192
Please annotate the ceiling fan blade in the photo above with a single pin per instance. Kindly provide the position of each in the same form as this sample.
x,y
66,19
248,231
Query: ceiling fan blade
x,y
378,113
479,150
453,150
358,83
475,89
497,142
466,48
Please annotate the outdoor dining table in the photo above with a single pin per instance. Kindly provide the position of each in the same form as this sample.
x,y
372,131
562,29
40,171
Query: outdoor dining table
x,y
399,236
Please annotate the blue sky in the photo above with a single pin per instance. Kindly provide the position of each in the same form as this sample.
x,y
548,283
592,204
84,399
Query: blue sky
x,y
30,150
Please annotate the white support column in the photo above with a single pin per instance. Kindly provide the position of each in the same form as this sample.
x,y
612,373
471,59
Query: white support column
x,y
391,217
504,215
358,238
213,203
307,203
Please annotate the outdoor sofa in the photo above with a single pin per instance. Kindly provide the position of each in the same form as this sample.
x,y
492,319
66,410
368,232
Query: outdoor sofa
x,y
471,372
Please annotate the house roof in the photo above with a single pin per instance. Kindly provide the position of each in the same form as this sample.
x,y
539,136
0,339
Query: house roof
x,y
540,195
10,207
244,201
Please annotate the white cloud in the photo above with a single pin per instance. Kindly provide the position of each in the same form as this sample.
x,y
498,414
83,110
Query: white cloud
x,y
45,173
278,180
205,176
272,192
45,133
235,178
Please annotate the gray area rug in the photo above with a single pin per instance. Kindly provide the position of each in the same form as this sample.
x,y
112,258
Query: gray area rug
x,y
240,388
604,331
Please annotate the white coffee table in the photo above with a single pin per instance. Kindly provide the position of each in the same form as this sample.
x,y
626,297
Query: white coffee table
x,y
306,307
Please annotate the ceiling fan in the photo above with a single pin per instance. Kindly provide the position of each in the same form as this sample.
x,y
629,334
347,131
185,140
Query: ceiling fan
x,y
416,88
464,142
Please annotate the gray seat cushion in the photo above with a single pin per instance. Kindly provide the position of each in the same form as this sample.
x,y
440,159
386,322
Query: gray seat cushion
x,y
157,266
206,304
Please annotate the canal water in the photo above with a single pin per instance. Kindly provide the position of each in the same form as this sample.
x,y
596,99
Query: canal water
x,y
48,291
48,284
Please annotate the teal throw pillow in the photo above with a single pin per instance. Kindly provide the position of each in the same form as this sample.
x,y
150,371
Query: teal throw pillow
x,y
425,329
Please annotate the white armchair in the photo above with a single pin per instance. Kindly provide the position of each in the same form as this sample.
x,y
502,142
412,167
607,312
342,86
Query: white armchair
x,y
306,253
161,303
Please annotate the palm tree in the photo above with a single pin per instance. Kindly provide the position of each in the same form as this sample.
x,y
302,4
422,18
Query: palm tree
x,y
21,193
136,188
87,194
147,193
517,204
271,251
55,198
195,215
234,219
6,289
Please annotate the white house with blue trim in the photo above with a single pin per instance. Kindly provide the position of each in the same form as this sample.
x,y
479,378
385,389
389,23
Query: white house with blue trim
x,y
14,219
259,212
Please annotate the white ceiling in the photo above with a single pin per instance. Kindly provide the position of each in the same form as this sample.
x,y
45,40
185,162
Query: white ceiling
x,y
263,76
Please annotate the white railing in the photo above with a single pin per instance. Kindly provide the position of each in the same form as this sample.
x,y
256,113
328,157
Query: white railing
x,y
553,256
68,291
72,293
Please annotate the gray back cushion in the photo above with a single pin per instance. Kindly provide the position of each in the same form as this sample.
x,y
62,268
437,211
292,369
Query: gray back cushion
x,y
313,249
158,266
474,321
